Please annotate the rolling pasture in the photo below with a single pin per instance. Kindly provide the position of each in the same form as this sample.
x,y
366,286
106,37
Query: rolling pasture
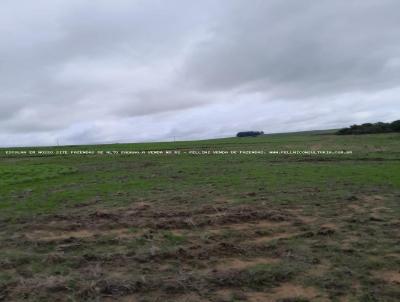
x,y
192,227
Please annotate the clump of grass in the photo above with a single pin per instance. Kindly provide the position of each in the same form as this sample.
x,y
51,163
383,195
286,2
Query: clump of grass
x,y
257,277
174,239
336,283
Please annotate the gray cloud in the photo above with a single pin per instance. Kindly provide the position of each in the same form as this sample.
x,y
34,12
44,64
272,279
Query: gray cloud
x,y
84,71
292,48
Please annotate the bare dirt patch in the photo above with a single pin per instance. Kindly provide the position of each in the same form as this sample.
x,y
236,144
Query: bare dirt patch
x,y
389,276
286,291
265,239
239,264
253,226
43,235
320,269
163,218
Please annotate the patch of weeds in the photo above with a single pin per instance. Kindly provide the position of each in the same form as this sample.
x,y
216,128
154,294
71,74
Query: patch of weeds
x,y
228,234
137,243
269,275
238,296
5,278
133,230
257,277
265,232
336,283
174,239
62,269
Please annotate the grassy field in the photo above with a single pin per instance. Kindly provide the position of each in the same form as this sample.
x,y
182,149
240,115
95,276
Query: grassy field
x,y
232,227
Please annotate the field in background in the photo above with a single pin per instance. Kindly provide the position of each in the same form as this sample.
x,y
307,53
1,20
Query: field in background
x,y
205,227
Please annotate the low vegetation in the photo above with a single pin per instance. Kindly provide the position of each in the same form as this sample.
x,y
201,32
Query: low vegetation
x,y
369,128
260,227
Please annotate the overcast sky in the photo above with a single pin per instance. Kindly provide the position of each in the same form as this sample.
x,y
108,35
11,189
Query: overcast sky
x,y
84,71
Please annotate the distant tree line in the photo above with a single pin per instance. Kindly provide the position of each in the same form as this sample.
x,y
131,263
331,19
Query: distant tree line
x,y
368,128
249,133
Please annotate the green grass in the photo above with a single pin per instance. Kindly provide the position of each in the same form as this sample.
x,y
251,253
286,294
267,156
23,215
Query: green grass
x,y
43,185
62,194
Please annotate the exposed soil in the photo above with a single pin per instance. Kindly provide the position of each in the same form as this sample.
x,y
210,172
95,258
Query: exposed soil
x,y
287,292
175,253
389,276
